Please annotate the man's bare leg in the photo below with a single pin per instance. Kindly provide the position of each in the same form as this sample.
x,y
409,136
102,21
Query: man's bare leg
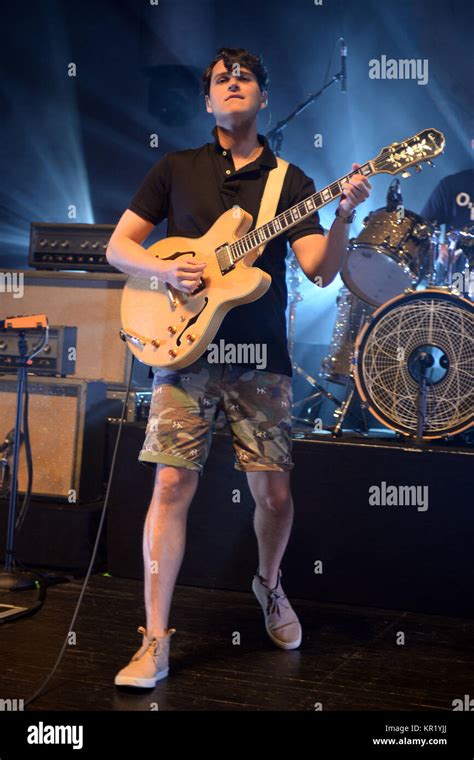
x,y
164,540
273,519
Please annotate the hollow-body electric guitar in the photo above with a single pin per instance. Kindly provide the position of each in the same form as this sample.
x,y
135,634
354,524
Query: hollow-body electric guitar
x,y
166,327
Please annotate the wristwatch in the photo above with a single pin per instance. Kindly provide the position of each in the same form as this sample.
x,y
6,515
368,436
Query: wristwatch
x,y
346,219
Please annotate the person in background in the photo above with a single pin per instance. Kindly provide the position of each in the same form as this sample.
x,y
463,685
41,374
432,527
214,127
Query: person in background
x,y
451,204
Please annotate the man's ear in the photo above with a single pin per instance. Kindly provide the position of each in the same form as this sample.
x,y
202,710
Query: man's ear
x,y
264,102
208,104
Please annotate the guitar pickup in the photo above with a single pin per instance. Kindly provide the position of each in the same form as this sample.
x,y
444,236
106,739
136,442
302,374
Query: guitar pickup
x,y
224,258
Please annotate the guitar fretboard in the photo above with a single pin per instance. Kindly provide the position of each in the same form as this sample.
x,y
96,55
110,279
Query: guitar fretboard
x,y
293,215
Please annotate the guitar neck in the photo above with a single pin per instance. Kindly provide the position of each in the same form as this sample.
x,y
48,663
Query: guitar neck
x,y
294,215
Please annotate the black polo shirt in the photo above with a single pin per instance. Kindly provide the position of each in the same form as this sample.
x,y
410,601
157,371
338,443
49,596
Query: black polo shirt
x,y
192,188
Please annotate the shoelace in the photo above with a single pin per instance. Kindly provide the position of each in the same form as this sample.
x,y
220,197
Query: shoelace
x,y
273,603
146,646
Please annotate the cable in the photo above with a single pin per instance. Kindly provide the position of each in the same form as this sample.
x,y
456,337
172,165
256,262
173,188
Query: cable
x,y
42,580
40,690
29,460
40,584
42,588
325,78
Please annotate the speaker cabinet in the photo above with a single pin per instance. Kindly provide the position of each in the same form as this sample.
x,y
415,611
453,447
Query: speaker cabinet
x,y
67,429
89,301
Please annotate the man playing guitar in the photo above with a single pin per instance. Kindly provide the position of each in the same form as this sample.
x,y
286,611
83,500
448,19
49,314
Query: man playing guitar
x,y
191,188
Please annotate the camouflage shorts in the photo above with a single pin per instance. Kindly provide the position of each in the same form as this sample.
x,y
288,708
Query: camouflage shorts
x,y
185,404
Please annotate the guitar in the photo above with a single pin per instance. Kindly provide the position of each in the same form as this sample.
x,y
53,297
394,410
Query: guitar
x,y
166,327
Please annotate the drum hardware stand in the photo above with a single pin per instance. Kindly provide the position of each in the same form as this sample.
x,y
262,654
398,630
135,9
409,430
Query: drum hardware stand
x,y
434,253
343,408
342,411
295,296
452,241
318,394
11,579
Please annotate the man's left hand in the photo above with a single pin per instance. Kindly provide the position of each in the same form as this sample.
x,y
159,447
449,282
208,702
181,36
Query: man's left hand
x,y
356,190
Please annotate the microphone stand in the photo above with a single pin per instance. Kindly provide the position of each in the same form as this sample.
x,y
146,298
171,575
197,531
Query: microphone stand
x,y
275,136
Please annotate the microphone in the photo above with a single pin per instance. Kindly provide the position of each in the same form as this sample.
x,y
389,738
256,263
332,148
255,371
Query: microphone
x,y
343,65
394,196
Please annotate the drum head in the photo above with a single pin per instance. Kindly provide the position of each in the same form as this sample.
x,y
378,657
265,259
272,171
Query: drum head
x,y
374,275
429,326
388,256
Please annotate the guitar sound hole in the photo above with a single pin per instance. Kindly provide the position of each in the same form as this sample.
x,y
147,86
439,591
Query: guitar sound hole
x,y
191,322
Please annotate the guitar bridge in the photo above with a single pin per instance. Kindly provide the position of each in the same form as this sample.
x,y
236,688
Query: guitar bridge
x,y
172,297
201,286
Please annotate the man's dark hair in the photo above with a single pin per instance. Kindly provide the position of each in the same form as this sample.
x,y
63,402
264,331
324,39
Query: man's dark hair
x,y
245,58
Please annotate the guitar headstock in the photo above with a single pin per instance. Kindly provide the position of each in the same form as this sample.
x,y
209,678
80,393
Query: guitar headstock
x,y
397,157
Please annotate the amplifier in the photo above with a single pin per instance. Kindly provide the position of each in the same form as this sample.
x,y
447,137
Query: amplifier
x,y
55,359
67,428
70,246
138,406
91,302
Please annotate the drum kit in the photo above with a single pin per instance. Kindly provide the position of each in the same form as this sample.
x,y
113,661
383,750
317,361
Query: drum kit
x,y
403,340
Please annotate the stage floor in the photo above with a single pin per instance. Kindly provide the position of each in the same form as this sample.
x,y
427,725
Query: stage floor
x,y
349,658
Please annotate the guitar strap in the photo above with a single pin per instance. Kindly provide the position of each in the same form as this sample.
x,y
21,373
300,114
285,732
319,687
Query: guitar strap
x,y
271,196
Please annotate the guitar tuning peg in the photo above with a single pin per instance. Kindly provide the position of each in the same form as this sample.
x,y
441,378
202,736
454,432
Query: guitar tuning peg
x,y
406,174
418,168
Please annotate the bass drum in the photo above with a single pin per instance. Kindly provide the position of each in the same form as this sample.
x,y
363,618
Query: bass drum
x,y
389,351
388,257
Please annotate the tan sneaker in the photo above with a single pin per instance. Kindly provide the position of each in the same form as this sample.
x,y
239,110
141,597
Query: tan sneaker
x,y
281,621
149,664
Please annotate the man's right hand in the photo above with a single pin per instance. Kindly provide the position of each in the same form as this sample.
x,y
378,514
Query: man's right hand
x,y
183,273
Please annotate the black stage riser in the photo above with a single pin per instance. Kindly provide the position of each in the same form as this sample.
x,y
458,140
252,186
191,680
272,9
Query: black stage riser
x,y
386,556
56,535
